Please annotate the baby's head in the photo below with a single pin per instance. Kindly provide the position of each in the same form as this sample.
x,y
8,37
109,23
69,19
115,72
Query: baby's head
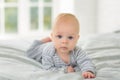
x,y
68,20
65,32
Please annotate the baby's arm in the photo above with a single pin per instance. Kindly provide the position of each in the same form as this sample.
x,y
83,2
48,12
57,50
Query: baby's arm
x,y
45,40
49,64
35,50
85,64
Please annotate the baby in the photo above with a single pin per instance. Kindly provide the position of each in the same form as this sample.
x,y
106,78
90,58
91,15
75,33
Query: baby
x,y
60,53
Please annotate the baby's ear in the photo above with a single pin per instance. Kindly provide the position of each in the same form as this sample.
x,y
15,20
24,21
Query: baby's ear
x,y
51,36
78,36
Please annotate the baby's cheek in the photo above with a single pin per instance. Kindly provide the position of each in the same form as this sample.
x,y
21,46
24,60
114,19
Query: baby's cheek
x,y
72,48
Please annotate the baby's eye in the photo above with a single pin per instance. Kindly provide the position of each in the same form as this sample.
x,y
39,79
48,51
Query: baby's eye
x,y
70,37
59,36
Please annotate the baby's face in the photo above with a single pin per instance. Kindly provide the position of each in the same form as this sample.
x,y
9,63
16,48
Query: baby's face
x,y
65,37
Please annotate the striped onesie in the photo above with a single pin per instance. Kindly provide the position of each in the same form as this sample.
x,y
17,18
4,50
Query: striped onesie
x,y
45,54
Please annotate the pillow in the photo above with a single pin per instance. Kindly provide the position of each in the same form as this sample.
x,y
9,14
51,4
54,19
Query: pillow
x,y
14,46
102,41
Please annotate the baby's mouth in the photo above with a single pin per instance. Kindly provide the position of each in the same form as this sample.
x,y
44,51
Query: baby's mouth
x,y
64,48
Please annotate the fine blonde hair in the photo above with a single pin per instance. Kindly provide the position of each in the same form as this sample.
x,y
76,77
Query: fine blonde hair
x,y
66,17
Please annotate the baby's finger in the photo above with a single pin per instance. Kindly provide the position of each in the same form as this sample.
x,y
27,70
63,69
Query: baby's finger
x,y
89,76
84,75
92,76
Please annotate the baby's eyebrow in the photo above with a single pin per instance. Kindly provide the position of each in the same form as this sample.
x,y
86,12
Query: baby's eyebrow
x,y
58,33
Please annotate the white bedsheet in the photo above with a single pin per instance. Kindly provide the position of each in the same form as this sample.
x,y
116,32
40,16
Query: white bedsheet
x,y
104,52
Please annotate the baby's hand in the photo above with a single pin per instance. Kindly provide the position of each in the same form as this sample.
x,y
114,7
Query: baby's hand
x,y
70,69
47,39
88,75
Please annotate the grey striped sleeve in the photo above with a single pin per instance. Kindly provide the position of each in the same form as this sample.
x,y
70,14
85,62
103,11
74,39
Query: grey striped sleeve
x,y
47,60
84,62
35,50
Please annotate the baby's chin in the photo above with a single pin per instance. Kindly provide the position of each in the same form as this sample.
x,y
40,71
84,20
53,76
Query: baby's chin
x,y
63,50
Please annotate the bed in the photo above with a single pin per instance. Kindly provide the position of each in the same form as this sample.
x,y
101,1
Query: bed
x,y
103,49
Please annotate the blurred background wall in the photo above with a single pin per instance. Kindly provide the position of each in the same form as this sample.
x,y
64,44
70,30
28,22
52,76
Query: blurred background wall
x,y
23,18
98,16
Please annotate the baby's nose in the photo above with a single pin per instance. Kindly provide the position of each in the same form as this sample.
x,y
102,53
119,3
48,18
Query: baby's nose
x,y
64,40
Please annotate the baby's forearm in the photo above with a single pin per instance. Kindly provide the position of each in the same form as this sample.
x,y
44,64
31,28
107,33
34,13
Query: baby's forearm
x,y
35,50
45,40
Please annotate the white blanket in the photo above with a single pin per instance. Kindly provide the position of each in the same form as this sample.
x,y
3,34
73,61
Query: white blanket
x,y
104,50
